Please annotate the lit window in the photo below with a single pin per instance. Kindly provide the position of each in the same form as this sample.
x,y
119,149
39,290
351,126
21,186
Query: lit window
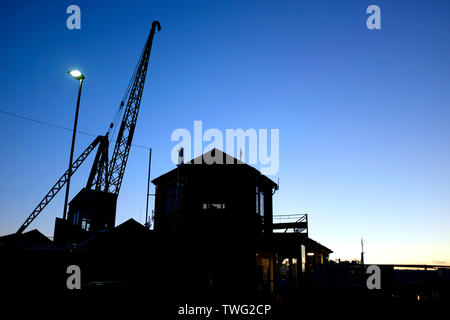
x,y
213,206
217,205
85,224
260,203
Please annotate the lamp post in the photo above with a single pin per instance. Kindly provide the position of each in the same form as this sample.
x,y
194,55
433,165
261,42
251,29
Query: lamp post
x,y
76,74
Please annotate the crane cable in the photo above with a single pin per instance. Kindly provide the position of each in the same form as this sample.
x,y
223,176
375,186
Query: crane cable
x,y
119,112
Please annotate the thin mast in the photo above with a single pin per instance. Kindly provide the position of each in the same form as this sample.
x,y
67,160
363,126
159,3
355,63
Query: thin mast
x,y
147,223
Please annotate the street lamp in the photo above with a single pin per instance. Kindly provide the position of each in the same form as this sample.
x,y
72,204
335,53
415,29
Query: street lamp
x,y
76,74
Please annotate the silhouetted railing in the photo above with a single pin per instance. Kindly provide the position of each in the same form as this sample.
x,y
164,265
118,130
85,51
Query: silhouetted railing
x,y
292,223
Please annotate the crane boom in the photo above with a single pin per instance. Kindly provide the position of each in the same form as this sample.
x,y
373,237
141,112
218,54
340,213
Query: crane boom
x,y
60,183
125,135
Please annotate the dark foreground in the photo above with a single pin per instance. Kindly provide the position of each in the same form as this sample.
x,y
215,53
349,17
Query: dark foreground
x,y
177,279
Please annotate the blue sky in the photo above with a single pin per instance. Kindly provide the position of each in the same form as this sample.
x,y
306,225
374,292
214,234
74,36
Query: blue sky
x,y
363,114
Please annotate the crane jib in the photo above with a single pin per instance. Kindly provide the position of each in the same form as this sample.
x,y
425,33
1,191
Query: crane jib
x,y
130,135
128,125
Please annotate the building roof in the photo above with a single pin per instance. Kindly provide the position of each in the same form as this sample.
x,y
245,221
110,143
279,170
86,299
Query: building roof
x,y
27,239
214,157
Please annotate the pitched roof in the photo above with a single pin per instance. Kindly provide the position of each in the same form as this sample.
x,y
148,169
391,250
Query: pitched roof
x,y
214,157
27,239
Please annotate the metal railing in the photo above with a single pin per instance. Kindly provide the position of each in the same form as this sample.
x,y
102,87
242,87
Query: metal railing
x,y
296,223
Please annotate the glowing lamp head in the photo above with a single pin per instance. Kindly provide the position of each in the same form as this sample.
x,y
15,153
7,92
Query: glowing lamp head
x,y
76,74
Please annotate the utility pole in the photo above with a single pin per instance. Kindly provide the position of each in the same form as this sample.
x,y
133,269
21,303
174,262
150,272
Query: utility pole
x,y
147,222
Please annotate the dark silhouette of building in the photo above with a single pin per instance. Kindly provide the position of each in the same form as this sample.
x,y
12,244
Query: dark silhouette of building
x,y
213,236
215,240
225,196
229,205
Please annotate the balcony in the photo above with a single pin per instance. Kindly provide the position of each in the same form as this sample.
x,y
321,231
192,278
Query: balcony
x,y
290,223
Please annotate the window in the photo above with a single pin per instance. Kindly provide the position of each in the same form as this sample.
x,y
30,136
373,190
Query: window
x,y
257,200
303,257
260,203
213,206
173,199
85,224
76,217
263,272
217,205
170,200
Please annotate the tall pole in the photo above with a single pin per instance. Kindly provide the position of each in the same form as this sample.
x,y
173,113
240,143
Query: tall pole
x,y
147,222
362,251
71,149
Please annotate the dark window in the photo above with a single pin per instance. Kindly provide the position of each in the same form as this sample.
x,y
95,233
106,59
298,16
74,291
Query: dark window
x,y
173,199
257,200
170,200
76,217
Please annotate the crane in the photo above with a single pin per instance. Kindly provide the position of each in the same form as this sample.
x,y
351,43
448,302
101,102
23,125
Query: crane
x,y
105,178
60,183
112,180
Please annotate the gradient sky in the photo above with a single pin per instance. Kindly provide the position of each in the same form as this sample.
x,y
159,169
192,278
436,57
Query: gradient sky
x,y
363,115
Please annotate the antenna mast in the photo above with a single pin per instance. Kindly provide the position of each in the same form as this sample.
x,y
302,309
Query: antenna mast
x,y
147,222
362,251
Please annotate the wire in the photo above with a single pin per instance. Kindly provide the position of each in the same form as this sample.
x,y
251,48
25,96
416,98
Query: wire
x,y
57,126
44,123
116,117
